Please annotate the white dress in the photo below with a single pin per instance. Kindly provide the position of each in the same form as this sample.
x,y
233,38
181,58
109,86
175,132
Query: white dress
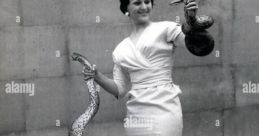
x,y
142,73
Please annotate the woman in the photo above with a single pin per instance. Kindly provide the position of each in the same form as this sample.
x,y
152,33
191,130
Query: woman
x,y
142,72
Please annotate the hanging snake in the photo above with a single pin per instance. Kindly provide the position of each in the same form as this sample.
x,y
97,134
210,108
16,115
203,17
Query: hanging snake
x,y
197,40
82,121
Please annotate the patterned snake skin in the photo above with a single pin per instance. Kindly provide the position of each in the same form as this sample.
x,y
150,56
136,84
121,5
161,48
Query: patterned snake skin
x,y
82,121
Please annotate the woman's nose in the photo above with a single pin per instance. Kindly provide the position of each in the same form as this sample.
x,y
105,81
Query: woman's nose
x,y
143,5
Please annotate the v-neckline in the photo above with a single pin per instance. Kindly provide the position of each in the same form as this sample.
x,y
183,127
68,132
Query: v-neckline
x,y
140,36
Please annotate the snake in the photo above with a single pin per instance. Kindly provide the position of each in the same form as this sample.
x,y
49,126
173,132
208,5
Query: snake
x,y
197,40
83,120
201,22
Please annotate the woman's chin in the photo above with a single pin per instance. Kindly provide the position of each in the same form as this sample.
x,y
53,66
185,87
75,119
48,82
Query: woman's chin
x,y
144,20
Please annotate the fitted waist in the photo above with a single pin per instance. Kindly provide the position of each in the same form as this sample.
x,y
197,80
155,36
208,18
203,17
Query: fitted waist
x,y
157,99
144,78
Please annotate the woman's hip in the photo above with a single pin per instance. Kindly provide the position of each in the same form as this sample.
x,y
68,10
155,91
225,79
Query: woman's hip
x,y
153,125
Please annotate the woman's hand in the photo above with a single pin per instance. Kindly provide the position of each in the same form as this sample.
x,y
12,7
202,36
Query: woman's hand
x,y
89,69
190,11
89,73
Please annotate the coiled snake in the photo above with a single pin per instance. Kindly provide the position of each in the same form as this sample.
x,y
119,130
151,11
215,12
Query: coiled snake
x,y
82,121
197,40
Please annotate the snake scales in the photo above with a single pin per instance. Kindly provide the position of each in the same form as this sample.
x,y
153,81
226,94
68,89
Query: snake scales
x,y
82,121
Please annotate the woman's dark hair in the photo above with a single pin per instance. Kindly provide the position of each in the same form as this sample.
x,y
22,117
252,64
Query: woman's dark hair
x,y
125,3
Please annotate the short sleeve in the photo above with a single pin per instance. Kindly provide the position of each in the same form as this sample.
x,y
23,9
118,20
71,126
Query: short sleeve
x,y
174,33
121,79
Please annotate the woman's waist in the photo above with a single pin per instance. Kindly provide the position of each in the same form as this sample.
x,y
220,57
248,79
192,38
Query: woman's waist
x,y
150,83
150,77
154,102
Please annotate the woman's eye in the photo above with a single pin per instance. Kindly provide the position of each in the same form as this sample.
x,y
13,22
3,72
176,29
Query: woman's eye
x,y
147,1
137,3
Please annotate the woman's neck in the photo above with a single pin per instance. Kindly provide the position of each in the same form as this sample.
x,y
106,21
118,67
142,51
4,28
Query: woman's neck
x,y
138,27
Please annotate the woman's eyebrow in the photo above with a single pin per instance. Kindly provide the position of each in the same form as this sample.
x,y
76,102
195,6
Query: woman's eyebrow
x,y
173,2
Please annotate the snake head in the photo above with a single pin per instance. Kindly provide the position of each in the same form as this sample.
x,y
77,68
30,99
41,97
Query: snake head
x,y
82,60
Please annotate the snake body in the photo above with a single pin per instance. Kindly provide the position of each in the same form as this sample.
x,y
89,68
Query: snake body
x,y
199,22
82,121
197,40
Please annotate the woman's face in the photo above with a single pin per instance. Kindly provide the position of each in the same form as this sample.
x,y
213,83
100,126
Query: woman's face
x,y
139,10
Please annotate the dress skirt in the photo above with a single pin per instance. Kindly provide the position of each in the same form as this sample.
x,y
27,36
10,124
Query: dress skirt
x,y
154,111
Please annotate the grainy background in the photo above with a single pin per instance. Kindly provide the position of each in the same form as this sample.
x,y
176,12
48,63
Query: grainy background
x,y
213,101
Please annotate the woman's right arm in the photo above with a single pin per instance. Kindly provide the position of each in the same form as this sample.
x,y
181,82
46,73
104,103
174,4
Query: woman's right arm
x,y
107,84
119,85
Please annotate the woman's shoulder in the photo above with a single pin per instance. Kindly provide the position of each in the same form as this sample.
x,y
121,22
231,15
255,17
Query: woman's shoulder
x,y
120,49
121,46
166,24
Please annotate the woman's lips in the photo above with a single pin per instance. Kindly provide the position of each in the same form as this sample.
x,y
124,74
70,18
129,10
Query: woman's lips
x,y
143,13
